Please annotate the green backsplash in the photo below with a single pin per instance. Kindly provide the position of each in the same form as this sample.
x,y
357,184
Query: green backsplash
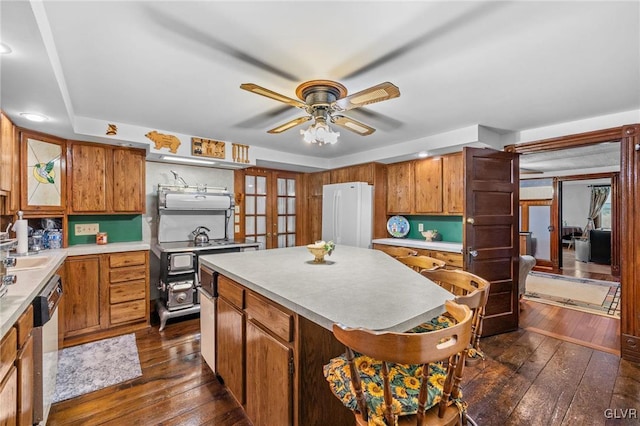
x,y
119,228
450,227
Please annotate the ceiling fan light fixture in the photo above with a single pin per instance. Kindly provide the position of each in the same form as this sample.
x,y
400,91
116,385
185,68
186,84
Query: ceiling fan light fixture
x,y
320,133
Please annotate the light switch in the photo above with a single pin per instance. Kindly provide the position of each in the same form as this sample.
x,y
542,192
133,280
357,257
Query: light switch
x,y
87,228
420,227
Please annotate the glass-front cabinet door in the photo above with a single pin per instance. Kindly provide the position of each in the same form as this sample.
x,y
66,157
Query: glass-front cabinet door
x,y
270,207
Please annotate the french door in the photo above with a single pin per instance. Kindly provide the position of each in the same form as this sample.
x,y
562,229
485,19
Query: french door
x,y
268,207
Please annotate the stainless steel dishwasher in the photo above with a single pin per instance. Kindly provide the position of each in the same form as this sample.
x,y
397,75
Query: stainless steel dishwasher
x,y
45,322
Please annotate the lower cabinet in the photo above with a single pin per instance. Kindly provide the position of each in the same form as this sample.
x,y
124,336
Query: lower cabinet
x,y
271,359
105,295
8,379
269,398
230,324
25,369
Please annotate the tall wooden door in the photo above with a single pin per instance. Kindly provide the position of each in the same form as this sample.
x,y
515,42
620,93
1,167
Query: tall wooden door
x,y
491,232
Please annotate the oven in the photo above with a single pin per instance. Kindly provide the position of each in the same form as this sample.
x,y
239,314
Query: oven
x,y
183,213
45,354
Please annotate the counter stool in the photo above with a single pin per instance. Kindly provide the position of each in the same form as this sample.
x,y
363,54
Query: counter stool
x,y
470,290
413,378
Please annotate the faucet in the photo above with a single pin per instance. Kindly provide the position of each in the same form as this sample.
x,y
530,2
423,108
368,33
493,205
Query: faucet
x,y
177,177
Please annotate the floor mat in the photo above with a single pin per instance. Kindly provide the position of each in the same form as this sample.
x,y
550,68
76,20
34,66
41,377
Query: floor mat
x,y
593,296
96,365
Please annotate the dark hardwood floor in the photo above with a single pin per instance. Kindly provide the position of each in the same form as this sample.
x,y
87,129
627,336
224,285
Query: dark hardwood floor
x,y
527,379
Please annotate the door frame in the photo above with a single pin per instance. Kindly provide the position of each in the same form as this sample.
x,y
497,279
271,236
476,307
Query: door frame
x,y
626,220
524,224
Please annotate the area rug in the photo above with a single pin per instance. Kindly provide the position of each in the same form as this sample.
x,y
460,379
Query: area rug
x,y
593,296
96,365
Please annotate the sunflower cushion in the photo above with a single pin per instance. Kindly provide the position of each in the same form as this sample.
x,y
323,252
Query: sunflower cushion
x,y
404,381
437,323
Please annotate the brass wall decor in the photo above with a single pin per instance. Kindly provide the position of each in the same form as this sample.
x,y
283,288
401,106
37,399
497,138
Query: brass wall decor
x,y
208,148
164,141
240,153
112,129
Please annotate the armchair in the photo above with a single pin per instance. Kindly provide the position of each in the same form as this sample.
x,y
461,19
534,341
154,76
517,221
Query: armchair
x,y
526,265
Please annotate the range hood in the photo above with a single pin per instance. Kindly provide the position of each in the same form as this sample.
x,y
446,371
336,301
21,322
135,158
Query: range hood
x,y
212,199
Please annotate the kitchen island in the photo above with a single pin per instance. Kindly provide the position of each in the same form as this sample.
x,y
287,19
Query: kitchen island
x,y
275,311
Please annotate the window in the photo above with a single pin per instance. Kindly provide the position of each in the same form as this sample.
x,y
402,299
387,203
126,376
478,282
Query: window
x,y
605,214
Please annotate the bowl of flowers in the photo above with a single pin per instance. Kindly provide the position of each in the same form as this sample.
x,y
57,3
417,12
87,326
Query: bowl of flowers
x,y
321,248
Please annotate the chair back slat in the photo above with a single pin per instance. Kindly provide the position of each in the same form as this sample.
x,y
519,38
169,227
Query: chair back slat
x,y
470,290
399,251
420,263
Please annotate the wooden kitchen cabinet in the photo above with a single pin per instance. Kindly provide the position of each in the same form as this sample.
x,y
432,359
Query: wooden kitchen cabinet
x,y
230,334
271,359
128,287
82,296
42,174
7,143
453,183
25,368
8,378
400,188
105,295
103,179
428,186
315,182
270,396
255,337
431,186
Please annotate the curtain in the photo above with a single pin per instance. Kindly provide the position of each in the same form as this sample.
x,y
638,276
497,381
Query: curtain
x,y
599,195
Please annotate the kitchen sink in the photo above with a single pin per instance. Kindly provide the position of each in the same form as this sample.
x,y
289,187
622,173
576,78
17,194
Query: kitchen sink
x,y
30,262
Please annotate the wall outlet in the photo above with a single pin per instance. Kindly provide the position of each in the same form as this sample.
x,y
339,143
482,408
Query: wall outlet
x,y
421,227
87,228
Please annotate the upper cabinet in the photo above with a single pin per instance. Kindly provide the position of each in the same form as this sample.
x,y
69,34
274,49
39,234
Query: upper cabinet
x,y
453,183
103,179
430,186
400,187
7,131
42,173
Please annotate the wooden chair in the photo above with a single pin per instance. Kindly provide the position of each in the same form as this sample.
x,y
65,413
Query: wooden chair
x,y
470,290
399,251
420,263
433,361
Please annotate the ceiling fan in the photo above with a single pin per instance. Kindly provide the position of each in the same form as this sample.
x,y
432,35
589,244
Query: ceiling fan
x,y
323,100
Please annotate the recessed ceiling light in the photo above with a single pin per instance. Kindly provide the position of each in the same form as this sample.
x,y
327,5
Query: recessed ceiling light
x,y
34,116
186,160
4,49
423,154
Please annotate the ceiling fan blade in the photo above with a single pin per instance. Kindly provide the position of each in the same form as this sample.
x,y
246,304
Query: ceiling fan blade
x,y
378,93
353,125
189,32
473,14
254,88
262,119
289,124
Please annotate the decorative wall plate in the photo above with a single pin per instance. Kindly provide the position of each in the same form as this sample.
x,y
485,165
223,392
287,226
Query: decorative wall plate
x,y
398,226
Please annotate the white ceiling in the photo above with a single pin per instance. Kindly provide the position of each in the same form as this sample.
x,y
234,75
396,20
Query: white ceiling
x,y
177,67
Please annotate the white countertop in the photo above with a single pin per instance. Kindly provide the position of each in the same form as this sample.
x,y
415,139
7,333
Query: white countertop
x,y
30,282
429,245
356,287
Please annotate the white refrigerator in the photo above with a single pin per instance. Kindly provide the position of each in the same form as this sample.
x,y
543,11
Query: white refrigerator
x,y
347,214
